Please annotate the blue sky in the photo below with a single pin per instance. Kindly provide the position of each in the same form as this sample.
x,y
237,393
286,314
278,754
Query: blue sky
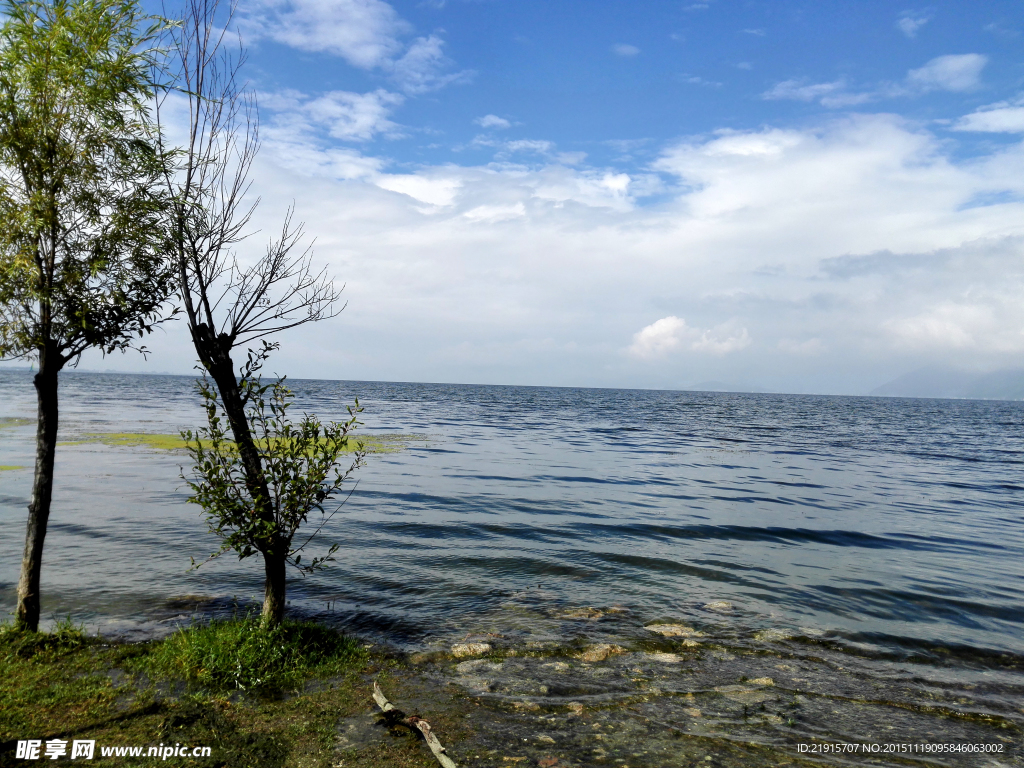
x,y
587,74
792,196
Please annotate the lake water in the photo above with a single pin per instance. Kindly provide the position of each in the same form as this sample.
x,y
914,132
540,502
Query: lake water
x,y
891,523
890,530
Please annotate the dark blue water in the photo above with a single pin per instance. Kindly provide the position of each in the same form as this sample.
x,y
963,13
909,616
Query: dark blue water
x,y
886,525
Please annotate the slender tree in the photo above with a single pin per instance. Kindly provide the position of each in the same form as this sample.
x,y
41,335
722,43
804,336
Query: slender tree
x,y
299,463
229,303
83,210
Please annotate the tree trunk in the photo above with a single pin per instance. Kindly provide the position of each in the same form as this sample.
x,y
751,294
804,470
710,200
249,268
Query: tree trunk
x,y
215,354
27,615
273,590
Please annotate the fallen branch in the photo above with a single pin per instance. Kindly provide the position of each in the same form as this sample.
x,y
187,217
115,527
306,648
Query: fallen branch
x,y
414,722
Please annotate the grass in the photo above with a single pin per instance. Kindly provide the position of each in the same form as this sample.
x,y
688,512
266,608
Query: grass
x,y
242,655
9,467
183,689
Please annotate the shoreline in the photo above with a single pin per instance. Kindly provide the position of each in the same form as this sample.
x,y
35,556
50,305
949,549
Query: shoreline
x,y
675,698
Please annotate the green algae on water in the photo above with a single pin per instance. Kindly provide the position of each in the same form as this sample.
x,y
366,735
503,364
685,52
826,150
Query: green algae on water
x,y
9,467
389,443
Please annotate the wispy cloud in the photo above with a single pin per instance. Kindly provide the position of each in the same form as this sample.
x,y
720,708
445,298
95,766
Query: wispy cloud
x,y
957,73
1001,117
422,67
954,73
625,50
364,32
492,121
697,80
340,114
910,21
368,34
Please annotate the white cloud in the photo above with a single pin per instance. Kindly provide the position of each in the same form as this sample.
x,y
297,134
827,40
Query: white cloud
x,y
800,90
439,191
624,49
755,32
956,73
495,213
571,158
419,69
831,95
341,114
492,121
1001,117
958,326
959,72
697,80
537,146
366,33
671,334
853,232
911,21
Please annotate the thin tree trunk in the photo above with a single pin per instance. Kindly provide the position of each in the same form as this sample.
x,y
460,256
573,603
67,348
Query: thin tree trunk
x,y
273,589
215,354
27,615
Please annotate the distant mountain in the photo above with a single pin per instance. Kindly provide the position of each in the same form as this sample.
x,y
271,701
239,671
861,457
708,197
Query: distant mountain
x,y
934,381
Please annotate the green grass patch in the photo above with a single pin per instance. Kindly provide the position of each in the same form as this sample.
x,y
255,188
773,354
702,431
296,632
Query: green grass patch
x,y
66,637
9,467
65,685
162,442
242,655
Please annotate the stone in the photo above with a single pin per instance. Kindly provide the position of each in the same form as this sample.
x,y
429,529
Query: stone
x,y
582,613
664,658
600,652
470,649
771,635
673,630
721,606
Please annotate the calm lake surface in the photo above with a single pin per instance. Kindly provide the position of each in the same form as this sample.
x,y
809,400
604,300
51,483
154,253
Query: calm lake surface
x,y
891,527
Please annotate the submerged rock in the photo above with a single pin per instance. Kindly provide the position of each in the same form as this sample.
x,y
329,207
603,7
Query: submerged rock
x,y
664,658
600,652
470,649
582,613
720,606
673,630
772,635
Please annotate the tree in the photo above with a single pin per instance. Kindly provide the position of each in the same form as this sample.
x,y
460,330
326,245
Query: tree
x,y
299,464
228,303
83,210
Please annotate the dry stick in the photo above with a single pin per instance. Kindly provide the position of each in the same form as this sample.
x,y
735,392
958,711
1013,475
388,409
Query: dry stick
x,y
422,725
